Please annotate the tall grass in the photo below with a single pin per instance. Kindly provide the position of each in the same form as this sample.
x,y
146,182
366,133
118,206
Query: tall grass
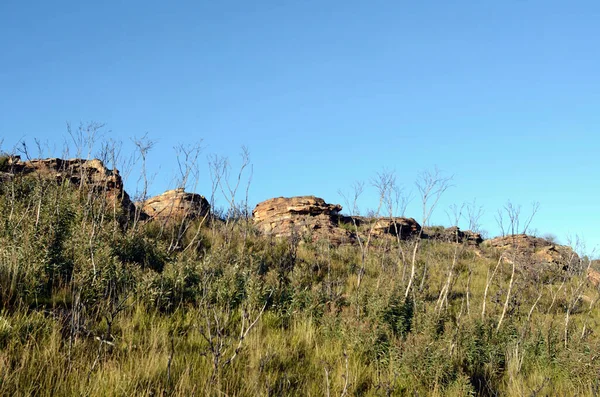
x,y
90,306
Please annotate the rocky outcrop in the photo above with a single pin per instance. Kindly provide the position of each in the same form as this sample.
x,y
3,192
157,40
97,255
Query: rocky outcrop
x,y
175,205
380,226
313,218
284,208
308,216
593,277
105,183
452,235
90,174
534,250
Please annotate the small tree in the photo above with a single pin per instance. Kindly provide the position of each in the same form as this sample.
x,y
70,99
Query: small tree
x,y
431,185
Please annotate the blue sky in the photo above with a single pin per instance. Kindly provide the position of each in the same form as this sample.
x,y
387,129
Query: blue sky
x,y
503,95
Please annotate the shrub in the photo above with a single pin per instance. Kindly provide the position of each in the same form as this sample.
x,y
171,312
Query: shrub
x,y
4,160
137,249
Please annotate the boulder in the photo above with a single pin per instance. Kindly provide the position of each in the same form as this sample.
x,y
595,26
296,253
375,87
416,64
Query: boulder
x,y
175,205
270,211
308,216
593,277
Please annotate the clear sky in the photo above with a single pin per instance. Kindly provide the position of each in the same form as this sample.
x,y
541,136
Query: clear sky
x,y
504,95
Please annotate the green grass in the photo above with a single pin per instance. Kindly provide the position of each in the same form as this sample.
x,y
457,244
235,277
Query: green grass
x,y
93,307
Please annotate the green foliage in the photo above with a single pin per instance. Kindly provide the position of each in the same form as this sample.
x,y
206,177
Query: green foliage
x,y
92,307
399,314
4,160
138,249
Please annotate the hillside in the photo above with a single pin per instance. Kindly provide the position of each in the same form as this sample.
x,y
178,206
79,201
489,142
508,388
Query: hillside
x,y
101,295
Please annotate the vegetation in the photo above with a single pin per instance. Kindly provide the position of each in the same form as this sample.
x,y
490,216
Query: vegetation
x,y
92,306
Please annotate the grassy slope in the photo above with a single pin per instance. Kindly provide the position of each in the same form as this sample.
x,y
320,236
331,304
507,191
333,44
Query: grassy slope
x,y
92,307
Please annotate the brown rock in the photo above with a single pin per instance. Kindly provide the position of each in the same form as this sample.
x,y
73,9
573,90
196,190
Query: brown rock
x,y
452,235
90,174
175,205
594,277
405,227
309,216
276,208
312,217
535,249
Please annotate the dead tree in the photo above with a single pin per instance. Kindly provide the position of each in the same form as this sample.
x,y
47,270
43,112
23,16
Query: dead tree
x,y
431,185
513,213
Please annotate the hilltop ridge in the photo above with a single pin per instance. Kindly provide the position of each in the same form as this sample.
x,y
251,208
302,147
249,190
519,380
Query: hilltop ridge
x,y
307,216
166,296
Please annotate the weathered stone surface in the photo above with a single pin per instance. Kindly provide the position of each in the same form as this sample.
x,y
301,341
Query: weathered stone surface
x,y
175,205
382,226
91,174
308,216
452,235
535,249
593,277
286,207
312,217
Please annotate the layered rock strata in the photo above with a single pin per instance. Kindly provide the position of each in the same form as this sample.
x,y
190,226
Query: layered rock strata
x,y
175,205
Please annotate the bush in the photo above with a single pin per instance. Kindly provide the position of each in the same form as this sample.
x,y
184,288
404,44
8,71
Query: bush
x,y
136,249
4,160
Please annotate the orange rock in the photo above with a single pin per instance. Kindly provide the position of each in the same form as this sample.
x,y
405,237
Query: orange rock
x,y
594,277
176,205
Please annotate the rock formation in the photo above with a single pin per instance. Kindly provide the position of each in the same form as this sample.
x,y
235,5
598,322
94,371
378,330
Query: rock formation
x,y
103,182
175,205
90,174
381,226
534,250
312,217
452,235
308,216
593,277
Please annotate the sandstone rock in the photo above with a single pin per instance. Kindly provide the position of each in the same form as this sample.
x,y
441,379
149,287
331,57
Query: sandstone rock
x,y
593,277
535,250
312,217
452,235
308,216
175,205
90,174
406,227
276,208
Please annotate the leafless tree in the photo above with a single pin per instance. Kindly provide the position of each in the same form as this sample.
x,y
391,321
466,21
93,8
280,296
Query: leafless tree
x,y
473,218
457,213
574,291
222,346
383,183
143,146
397,201
220,170
513,213
189,173
431,186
